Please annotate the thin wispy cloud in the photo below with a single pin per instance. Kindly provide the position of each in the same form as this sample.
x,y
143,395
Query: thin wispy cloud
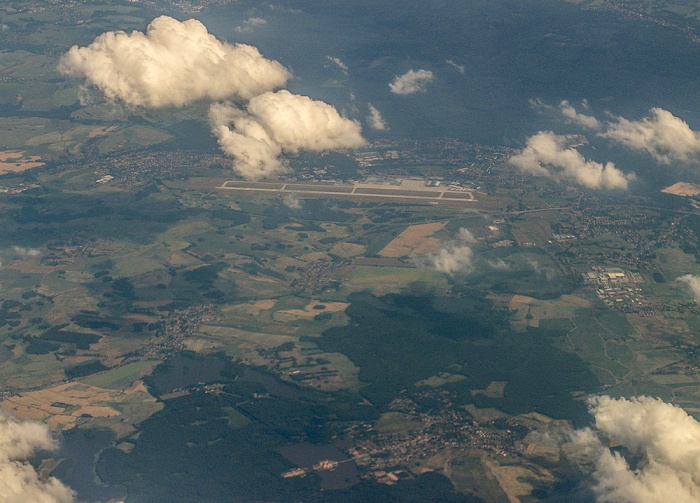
x,y
339,63
459,68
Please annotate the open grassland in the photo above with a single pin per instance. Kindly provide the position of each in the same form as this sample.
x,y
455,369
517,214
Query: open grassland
x,y
590,340
31,371
528,311
310,310
382,280
241,342
50,137
517,480
534,229
441,379
121,377
348,250
469,475
396,422
662,328
495,389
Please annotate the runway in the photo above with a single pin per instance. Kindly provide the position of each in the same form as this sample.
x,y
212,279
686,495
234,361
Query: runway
x,y
413,190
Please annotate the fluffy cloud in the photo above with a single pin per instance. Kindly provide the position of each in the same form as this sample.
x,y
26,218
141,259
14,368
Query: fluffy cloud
x,y
498,264
292,202
694,283
465,236
452,259
663,135
586,121
173,63
411,82
570,114
275,123
663,438
551,155
19,440
250,24
455,257
26,252
375,119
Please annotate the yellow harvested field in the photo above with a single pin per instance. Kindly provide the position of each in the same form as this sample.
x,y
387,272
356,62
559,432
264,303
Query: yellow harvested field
x,y
683,189
509,478
258,279
201,345
485,414
101,131
61,406
348,250
416,240
494,390
441,379
265,304
310,312
521,299
253,308
16,161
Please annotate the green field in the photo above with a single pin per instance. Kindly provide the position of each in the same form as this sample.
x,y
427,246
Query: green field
x,y
121,377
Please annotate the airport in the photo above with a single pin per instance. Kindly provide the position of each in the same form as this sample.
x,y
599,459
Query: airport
x,y
417,189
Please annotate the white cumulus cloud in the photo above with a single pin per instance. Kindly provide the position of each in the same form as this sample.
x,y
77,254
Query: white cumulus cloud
x,y
694,283
452,259
411,82
455,257
663,135
465,236
586,121
275,123
498,264
19,481
551,155
664,440
292,201
375,119
250,24
173,63
26,252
